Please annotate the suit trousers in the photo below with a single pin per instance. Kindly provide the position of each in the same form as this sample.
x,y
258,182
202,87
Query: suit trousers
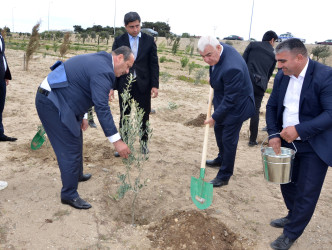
x,y
227,137
68,148
3,89
254,120
301,195
144,102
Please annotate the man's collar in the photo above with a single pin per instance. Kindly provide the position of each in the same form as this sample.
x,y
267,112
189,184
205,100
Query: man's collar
x,y
139,35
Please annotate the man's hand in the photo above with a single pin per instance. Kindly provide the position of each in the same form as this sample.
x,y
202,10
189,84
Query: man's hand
x,y
85,124
275,143
289,134
111,95
154,92
210,121
122,148
7,82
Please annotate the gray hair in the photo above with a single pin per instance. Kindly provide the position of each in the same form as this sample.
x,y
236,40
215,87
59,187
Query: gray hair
x,y
207,40
125,51
294,45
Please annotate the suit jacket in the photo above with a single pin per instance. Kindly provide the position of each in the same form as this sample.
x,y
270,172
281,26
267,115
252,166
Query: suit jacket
x,y
260,59
82,82
315,108
146,63
4,74
233,93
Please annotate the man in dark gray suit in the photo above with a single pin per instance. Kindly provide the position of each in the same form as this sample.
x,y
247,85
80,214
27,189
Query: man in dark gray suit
x,y
145,68
5,76
233,102
62,99
261,62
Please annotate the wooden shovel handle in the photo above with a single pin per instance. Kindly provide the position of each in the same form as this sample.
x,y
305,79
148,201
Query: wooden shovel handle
x,y
206,133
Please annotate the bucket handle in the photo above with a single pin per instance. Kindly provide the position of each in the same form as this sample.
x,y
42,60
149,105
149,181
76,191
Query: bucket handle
x,y
272,135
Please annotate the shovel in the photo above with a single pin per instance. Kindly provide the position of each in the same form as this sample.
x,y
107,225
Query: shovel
x,y
38,139
201,191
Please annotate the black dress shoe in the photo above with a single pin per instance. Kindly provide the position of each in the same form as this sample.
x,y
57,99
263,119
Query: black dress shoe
x,y
7,138
77,203
279,223
116,154
282,243
252,143
84,177
218,182
213,163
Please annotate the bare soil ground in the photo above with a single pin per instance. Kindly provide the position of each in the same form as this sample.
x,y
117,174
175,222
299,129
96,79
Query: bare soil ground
x,y
32,217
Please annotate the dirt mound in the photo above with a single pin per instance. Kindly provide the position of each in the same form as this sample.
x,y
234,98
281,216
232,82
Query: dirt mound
x,y
197,122
192,230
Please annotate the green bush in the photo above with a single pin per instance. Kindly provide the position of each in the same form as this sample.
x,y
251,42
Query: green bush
x,y
184,61
164,76
162,59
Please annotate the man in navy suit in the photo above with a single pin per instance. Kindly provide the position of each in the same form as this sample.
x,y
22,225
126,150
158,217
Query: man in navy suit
x,y
145,68
233,102
5,76
300,106
62,99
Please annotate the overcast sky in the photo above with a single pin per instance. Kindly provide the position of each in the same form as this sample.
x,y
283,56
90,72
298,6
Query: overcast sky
x,y
309,19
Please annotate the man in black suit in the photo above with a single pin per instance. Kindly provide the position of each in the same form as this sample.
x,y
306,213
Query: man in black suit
x,y
261,62
145,68
5,76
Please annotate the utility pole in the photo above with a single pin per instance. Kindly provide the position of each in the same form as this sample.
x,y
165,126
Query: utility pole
x,y
48,23
13,18
252,13
114,15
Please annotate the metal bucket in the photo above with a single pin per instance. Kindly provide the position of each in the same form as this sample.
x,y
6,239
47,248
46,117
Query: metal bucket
x,y
277,168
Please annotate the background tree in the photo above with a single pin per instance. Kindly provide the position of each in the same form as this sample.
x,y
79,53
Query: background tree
x,y
321,52
32,46
64,47
176,45
78,29
105,35
161,27
5,31
93,35
84,36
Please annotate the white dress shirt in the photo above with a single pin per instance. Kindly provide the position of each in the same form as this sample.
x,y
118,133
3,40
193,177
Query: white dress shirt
x,y
292,99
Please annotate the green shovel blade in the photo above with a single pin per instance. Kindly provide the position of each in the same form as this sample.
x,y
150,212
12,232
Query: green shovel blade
x,y
37,141
201,192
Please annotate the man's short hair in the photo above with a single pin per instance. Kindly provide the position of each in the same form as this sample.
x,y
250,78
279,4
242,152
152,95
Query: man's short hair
x,y
293,45
125,51
269,35
131,17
